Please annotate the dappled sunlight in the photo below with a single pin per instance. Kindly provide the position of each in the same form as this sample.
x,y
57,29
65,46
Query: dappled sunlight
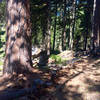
x,y
52,50
80,86
76,81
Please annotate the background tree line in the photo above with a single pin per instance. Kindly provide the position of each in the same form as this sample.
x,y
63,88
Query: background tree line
x,y
57,25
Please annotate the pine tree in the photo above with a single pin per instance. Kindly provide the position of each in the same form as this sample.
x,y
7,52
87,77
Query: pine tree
x,y
18,37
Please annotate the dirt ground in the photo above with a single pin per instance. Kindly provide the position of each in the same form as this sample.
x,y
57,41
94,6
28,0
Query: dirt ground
x,y
77,81
84,81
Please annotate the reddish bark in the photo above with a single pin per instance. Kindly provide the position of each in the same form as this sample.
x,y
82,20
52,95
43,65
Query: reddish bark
x,y
18,37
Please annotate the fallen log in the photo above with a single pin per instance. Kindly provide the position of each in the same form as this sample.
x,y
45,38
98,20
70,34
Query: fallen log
x,y
14,94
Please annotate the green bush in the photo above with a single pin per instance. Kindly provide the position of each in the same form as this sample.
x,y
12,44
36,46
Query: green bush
x,y
58,59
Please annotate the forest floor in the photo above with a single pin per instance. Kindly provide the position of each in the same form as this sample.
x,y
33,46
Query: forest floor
x,y
79,80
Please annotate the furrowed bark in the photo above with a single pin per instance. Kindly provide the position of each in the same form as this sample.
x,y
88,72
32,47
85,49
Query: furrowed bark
x,y
18,37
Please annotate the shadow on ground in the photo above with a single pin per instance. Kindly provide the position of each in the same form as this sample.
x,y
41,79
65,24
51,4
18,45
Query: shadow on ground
x,y
80,81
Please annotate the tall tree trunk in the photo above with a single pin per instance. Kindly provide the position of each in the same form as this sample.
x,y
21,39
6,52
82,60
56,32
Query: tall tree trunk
x,y
71,38
44,55
69,28
96,26
87,22
18,37
64,27
72,25
85,40
55,22
48,33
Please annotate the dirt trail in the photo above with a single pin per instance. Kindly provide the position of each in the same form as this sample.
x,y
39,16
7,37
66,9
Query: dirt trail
x,y
85,85
77,81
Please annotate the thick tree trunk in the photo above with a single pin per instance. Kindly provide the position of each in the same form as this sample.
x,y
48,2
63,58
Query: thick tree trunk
x,y
85,41
72,25
88,11
45,53
87,22
48,33
71,38
95,39
55,22
18,37
64,27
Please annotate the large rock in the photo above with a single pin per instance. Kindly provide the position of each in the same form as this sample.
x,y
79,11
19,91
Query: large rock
x,y
35,52
67,55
